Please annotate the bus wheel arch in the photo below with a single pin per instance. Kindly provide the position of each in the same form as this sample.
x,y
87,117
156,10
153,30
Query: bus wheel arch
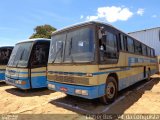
x,y
111,89
115,76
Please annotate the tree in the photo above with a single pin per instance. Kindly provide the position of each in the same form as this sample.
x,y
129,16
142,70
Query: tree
x,y
43,31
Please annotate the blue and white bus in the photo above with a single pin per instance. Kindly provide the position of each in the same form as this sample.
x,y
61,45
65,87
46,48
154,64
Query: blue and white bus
x,y
5,53
27,65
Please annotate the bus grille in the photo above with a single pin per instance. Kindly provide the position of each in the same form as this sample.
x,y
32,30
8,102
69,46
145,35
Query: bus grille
x,y
69,79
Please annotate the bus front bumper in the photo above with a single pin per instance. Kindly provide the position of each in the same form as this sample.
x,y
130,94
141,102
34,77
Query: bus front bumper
x,y
22,84
89,92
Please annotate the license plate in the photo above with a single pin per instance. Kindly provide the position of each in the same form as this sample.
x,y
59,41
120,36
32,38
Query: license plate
x,y
63,89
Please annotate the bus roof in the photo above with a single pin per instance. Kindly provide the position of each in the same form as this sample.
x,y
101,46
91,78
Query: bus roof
x,y
92,22
77,25
34,40
6,47
87,23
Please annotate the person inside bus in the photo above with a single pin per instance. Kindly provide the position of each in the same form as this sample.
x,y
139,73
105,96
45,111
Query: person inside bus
x,y
102,43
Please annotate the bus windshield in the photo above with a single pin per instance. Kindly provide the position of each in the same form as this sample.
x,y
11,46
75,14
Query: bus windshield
x,y
20,55
4,55
75,46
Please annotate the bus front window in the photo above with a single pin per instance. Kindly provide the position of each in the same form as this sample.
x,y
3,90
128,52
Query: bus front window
x,y
4,56
77,45
20,55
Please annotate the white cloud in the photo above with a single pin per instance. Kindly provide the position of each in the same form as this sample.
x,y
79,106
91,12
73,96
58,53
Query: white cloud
x,y
154,16
81,17
111,14
140,11
90,18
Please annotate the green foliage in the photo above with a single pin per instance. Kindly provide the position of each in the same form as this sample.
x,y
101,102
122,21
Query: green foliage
x,y
43,31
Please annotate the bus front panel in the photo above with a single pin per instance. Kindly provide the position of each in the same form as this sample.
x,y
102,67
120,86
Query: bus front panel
x,y
18,77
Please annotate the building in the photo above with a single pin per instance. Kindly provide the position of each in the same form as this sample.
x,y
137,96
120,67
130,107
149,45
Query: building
x,y
150,37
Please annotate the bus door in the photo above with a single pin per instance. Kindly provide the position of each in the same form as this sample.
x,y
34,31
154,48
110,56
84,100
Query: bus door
x,y
39,59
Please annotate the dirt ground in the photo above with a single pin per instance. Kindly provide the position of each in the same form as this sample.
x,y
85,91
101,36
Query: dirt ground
x,y
141,98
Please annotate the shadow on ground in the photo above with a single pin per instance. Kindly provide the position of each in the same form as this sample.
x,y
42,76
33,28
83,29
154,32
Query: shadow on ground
x,y
2,83
84,106
29,93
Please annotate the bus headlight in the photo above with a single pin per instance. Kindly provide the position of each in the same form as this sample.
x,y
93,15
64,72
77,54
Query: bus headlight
x,y
89,75
16,82
51,86
20,82
81,92
77,91
85,92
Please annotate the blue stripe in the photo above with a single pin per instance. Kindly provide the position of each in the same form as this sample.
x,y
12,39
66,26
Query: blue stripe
x,y
38,72
27,72
22,78
2,76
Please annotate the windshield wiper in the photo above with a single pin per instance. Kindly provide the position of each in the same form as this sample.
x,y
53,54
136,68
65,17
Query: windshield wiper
x,y
60,49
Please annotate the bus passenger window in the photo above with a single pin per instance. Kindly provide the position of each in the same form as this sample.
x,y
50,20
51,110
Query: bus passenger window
x,y
108,48
138,47
122,42
152,53
144,49
130,45
149,51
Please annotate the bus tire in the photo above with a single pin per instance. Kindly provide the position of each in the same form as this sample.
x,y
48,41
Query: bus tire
x,y
110,91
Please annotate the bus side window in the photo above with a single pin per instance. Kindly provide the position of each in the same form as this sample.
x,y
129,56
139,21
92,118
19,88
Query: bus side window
x,y
138,47
149,51
122,42
130,45
108,48
152,53
144,49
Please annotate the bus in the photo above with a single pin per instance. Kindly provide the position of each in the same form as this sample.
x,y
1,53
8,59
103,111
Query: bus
x,y
5,53
27,66
96,60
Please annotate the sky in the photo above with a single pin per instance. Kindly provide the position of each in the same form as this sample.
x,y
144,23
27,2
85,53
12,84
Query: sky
x,y
18,18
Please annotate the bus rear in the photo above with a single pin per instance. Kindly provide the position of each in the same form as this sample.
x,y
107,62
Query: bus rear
x,y
5,53
26,68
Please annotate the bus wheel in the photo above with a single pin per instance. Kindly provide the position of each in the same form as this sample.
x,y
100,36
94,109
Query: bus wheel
x,y
110,91
149,75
